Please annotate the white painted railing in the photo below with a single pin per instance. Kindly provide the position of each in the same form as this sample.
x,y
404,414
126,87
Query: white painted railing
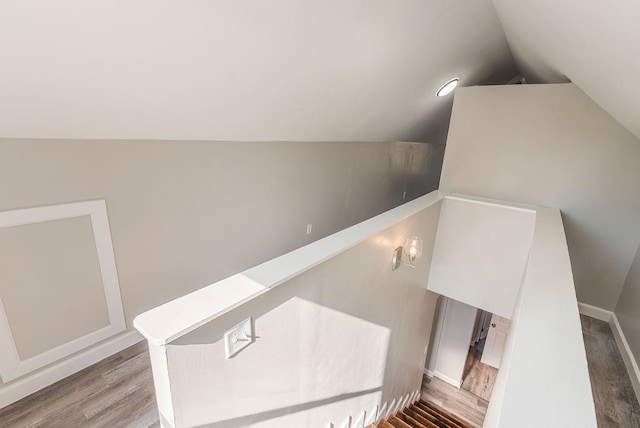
x,y
543,379
338,333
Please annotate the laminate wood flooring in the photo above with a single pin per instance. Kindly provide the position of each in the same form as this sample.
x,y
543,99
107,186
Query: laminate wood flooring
x,y
115,392
479,378
459,402
471,400
615,401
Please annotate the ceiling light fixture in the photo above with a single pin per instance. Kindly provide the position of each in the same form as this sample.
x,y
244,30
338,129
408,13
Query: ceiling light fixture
x,y
448,87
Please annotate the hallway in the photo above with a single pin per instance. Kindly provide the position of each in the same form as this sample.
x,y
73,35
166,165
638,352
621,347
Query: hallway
x,y
470,402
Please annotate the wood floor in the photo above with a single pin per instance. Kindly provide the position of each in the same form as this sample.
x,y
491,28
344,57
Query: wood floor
x,y
118,391
478,378
470,402
463,404
616,403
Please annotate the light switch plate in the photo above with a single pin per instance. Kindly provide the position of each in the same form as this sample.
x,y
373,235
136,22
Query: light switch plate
x,y
238,338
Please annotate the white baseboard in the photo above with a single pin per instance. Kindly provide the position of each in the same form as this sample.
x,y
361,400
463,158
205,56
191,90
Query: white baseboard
x,y
449,380
595,312
386,410
20,388
627,356
429,373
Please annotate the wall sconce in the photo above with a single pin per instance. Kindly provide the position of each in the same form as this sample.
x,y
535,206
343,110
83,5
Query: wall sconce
x,y
413,248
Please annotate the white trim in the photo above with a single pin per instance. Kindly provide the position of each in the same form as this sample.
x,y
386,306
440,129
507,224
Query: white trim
x,y
429,373
627,356
11,366
623,346
31,383
595,312
371,419
492,202
361,422
449,380
389,408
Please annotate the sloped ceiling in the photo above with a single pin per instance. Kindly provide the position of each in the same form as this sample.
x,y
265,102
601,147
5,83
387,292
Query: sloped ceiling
x,y
289,70
595,44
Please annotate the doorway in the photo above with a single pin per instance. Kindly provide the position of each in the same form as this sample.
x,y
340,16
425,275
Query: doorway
x,y
485,353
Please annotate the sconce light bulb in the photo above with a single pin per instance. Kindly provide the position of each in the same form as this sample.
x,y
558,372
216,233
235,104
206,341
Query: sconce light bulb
x,y
414,248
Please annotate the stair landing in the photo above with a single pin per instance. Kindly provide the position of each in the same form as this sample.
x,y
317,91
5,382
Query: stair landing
x,y
463,404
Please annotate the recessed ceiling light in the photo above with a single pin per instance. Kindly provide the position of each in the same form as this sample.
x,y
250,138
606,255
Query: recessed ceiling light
x,y
448,87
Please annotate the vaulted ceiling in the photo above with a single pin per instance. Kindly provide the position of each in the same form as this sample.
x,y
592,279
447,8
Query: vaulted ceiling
x,y
595,44
242,70
296,70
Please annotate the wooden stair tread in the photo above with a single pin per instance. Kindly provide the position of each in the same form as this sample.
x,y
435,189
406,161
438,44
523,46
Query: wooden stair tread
x,y
414,423
443,422
424,420
398,423
431,417
444,412
432,408
421,414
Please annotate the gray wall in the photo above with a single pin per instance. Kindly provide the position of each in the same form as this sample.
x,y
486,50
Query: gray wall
x,y
186,214
551,145
50,284
332,342
627,311
455,339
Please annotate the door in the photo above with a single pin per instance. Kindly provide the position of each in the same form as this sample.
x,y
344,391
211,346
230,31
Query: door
x,y
496,340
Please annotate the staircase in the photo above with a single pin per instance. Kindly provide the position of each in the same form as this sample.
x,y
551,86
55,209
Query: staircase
x,y
421,414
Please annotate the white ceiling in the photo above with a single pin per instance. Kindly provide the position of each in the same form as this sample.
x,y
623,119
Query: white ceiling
x,y
288,70
594,43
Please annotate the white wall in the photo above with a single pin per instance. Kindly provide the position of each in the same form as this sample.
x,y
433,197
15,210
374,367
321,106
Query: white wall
x,y
590,43
184,215
551,145
480,253
341,338
627,308
455,338
277,70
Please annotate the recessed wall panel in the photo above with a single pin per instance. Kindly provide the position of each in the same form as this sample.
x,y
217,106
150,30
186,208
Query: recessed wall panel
x,y
59,291
50,283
